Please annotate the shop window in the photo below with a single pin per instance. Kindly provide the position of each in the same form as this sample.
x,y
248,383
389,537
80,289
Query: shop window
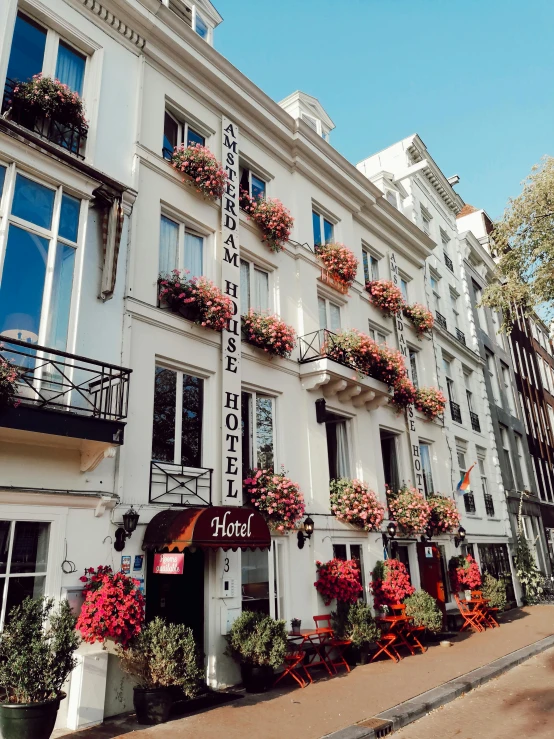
x,y
258,431
389,453
338,452
348,550
324,230
177,132
42,234
254,287
494,560
23,563
263,583
329,314
180,248
177,422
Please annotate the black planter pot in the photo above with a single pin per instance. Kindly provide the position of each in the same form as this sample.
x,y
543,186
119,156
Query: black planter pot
x,y
152,705
256,679
29,720
352,655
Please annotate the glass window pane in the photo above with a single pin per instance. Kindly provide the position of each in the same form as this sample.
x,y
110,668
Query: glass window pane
x,y
21,300
5,527
334,311
191,437
244,286
328,231
194,138
246,430
322,310
258,187
70,67
33,202
30,547
264,432
27,52
316,223
194,254
163,431
426,466
255,581
374,268
261,290
171,129
69,218
60,302
2,178
169,245
339,551
201,27
365,260
20,588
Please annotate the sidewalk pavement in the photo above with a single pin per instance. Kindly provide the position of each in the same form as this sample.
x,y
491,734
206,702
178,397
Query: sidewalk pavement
x,y
335,703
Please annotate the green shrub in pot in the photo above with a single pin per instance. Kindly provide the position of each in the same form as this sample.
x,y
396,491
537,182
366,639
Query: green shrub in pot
x,y
495,591
37,650
161,657
422,608
259,643
355,622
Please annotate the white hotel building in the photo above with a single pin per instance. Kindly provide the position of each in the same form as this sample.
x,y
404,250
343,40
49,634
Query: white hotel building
x,y
91,224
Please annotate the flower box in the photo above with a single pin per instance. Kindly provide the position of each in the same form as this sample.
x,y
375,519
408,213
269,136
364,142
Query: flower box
x,y
200,169
464,573
409,509
277,498
386,296
390,583
339,264
197,299
338,579
430,401
269,333
358,350
354,503
48,97
445,517
405,394
8,382
273,219
421,318
328,279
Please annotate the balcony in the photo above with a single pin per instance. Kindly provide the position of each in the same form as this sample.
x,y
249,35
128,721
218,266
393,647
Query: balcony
x,y
455,412
324,366
475,425
448,262
71,137
65,400
469,503
173,484
441,320
489,504
461,337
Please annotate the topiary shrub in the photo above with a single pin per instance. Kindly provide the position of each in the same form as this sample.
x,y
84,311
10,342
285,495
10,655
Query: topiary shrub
x,y
163,655
422,608
495,591
258,640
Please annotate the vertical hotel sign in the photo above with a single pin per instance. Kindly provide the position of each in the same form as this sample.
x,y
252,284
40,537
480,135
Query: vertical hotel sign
x,y
410,410
231,336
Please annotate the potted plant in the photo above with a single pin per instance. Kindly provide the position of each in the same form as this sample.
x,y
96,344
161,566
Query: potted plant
x,y
430,401
201,169
8,382
390,583
422,319
197,299
358,350
355,623
354,503
269,333
409,509
445,516
404,395
278,499
339,262
495,592
36,657
386,296
49,98
259,644
161,657
422,608
296,623
338,579
274,220
464,574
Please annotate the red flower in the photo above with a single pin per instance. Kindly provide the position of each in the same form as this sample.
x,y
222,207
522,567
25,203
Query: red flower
x,y
390,583
339,262
421,318
269,333
386,296
339,579
278,499
464,573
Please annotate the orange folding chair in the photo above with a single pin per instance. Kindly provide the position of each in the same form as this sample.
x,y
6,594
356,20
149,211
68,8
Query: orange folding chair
x,y
294,664
385,645
471,618
332,644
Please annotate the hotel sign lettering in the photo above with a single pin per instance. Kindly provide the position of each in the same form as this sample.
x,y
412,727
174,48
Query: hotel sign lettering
x,y
231,336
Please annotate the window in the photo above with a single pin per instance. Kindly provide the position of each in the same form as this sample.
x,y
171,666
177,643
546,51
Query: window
x,y
263,581
487,497
413,366
337,446
491,370
36,49
469,499
447,363
434,281
522,462
445,240
425,456
200,26
391,197
404,288
529,532
251,184
469,394
389,455
481,318
180,248
258,431
324,230
176,133
23,562
352,551
377,335
177,422
41,244
426,219
507,382
454,305
371,266
509,468
329,314
254,287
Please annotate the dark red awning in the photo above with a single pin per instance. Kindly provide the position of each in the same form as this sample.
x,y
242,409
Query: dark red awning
x,y
217,527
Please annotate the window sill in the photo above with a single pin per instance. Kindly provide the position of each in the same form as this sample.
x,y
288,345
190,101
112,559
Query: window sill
x,y
472,515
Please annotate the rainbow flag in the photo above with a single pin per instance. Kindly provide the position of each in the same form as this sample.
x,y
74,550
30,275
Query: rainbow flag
x,y
463,485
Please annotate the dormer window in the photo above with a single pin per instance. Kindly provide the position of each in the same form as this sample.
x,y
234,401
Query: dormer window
x,y
391,197
200,26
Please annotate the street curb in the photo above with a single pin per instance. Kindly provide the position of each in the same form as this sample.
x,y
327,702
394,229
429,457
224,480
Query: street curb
x,y
416,708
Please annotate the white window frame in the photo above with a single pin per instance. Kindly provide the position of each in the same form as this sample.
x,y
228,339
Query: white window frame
x,y
404,285
413,353
252,173
372,263
324,217
426,219
429,445
349,543
328,303
347,420
278,580
252,441
183,127
392,198
184,227
454,295
209,39
253,267
377,333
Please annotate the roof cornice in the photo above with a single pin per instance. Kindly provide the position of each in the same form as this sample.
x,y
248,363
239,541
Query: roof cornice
x,y
417,151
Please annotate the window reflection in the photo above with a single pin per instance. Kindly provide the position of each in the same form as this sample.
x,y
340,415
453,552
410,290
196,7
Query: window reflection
x,y
264,428
163,436
33,202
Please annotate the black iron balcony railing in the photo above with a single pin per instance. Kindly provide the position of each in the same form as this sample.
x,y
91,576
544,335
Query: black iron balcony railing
x,y
461,336
475,425
469,503
455,412
441,320
178,485
322,343
69,136
56,380
489,504
448,262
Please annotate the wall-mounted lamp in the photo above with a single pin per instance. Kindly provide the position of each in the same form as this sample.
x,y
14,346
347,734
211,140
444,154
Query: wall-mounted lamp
x,y
388,543
460,536
427,535
305,533
130,521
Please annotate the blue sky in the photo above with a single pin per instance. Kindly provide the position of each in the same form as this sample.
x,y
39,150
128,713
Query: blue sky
x,y
474,79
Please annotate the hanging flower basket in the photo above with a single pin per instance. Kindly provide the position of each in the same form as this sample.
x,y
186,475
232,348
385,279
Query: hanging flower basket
x,y
201,169
274,220
278,499
48,97
421,318
197,298
386,296
338,579
269,333
390,583
340,265
8,383
430,401
404,394
354,503
409,510
464,573
445,517
113,607
358,350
